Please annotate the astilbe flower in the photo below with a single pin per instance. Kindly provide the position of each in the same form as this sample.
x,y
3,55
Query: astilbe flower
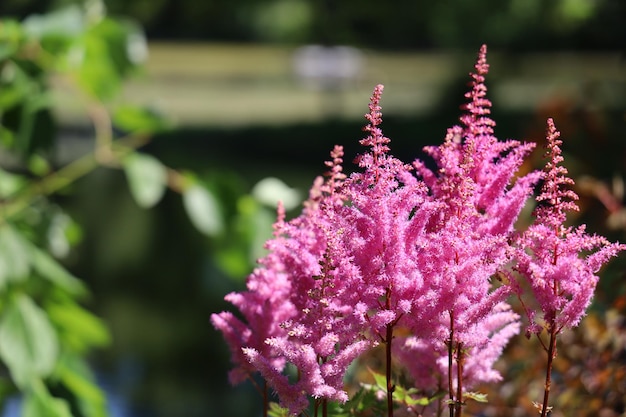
x,y
492,332
264,306
406,256
327,334
388,209
423,262
467,244
560,262
323,330
492,165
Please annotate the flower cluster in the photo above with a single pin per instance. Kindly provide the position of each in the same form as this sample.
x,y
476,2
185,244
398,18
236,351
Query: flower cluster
x,y
560,263
407,256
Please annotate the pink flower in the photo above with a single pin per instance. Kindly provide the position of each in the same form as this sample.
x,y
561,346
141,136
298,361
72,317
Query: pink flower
x,y
264,306
406,255
473,156
468,243
559,262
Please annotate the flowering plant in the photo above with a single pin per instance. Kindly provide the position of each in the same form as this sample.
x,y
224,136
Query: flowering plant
x,y
417,262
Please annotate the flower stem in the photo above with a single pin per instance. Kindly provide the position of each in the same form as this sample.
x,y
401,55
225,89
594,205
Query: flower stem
x,y
390,388
460,362
551,356
450,364
388,340
265,400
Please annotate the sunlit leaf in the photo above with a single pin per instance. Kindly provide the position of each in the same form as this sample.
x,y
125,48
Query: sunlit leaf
x,y
119,37
39,403
147,178
139,120
66,22
14,256
10,37
96,71
271,190
38,165
380,379
476,396
203,210
58,243
49,269
28,342
276,410
74,373
408,400
78,328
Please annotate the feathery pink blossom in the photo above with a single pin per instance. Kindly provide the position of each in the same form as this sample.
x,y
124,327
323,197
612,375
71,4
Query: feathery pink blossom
x,y
323,333
559,262
468,245
398,246
264,307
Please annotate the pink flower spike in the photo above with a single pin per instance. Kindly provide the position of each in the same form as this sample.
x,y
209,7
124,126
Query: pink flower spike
x,y
477,119
558,199
559,262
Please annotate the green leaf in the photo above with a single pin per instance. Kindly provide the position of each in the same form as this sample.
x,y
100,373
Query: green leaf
x,y
276,410
405,396
14,256
79,329
7,137
28,342
364,401
63,23
147,178
123,41
10,38
38,165
476,396
39,403
380,379
74,373
410,401
48,268
203,210
96,72
139,120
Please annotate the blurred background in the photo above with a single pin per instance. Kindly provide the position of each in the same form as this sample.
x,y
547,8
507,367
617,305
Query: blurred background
x,y
245,99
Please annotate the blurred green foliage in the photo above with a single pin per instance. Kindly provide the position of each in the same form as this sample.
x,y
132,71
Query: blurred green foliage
x,y
505,24
46,334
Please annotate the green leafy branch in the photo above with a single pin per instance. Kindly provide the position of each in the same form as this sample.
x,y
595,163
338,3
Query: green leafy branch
x,y
45,332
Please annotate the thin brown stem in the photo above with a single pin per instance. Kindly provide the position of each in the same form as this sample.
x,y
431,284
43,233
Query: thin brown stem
x,y
388,340
390,387
551,356
450,365
460,362
266,405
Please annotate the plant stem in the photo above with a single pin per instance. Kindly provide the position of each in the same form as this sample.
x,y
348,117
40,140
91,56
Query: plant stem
x,y
389,336
388,339
460,362
551,356
450,364
67,175
265,400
